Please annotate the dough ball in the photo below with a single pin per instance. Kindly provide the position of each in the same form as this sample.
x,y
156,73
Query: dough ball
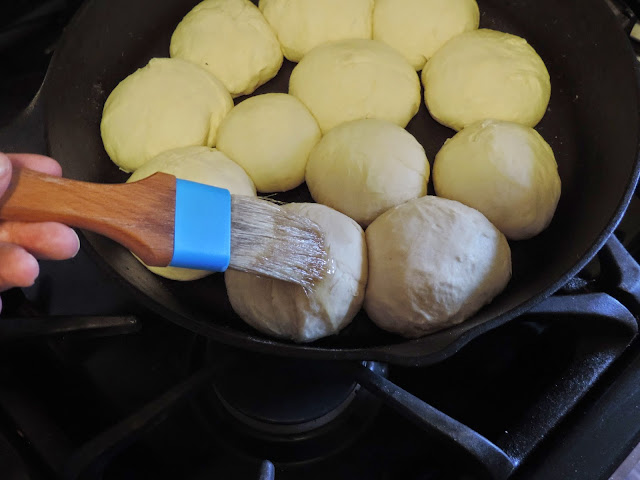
x,y
433,263
364,167
486,74
168,104
232,40
202,165
301,25
417,28
504,170
354,79
288,311
270,136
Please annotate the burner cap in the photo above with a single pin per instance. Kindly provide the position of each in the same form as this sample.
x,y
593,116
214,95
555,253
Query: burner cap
x,y
288,410
284,395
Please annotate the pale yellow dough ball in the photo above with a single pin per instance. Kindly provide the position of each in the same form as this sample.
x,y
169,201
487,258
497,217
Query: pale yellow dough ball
x,y
286,310
433,263
302,25
270,136
232,40
486,74
364,167
506,171
354,79
201,165
167,104
418,28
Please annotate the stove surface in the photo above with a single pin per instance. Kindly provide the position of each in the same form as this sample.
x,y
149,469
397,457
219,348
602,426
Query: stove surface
x,y
115,392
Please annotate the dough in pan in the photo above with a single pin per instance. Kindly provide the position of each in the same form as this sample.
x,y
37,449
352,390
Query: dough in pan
x,y
418,28
301,25
167,104
202,165
433,263
354,79
288,311
486,74
232,40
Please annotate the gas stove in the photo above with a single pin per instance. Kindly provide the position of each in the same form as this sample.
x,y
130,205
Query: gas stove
x,y
93,386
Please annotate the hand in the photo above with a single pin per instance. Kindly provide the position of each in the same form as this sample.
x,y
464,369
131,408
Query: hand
x,y
22,243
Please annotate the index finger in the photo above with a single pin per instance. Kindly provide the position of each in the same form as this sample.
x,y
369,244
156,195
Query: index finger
x,y
36,162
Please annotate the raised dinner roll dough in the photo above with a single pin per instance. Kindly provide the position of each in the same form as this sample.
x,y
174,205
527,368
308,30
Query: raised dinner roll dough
x,y
232,40
286,310
202,165
486,74
270,136
167,104
503,169
301,25
354,79
433,263
417,28
364,167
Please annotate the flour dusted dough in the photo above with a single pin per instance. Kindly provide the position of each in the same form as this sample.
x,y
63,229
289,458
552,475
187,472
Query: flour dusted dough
x,y
284,309
418,28
433,263
364,167
270,136
506,171
486,74
301,25
354,79
232,40
202,165
167,104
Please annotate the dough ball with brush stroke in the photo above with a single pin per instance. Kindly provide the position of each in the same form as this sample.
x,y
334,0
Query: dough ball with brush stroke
x,y
486,74
364,167
302,25
232,40
270,136
202,165
504,170
418,28
288,311
433,263
167,104
354,79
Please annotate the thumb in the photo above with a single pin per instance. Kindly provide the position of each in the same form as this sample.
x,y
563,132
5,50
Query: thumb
x,y
5,172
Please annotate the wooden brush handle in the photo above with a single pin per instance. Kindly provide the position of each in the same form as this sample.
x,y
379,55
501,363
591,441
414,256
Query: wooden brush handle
x,y
138,215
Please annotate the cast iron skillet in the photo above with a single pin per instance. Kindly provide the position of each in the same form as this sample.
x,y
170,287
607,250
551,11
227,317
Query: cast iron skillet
x,y
592,124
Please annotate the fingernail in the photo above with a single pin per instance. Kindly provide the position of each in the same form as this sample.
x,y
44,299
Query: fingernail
x,y
77,249
5,165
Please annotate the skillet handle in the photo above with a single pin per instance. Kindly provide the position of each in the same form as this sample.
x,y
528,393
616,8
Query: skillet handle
x,y
138,215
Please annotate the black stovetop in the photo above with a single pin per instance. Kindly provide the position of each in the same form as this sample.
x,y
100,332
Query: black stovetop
x,y
122,394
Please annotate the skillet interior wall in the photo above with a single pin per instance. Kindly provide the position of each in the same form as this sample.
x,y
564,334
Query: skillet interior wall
x,y
592,125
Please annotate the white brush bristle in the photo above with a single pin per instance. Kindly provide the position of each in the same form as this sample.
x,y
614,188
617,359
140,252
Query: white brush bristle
x,y
269,241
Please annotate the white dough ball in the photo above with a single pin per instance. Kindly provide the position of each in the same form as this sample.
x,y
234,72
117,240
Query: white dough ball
x,y
302,25
201,165
433,263
418,28
504,170
270,136
285,309
364,167
354,79
486,74
232,40
167,104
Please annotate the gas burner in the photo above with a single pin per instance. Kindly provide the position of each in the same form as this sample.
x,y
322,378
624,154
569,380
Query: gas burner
x,y
291,412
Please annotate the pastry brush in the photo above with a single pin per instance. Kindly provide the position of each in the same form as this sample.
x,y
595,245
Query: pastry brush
x,y
172,222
